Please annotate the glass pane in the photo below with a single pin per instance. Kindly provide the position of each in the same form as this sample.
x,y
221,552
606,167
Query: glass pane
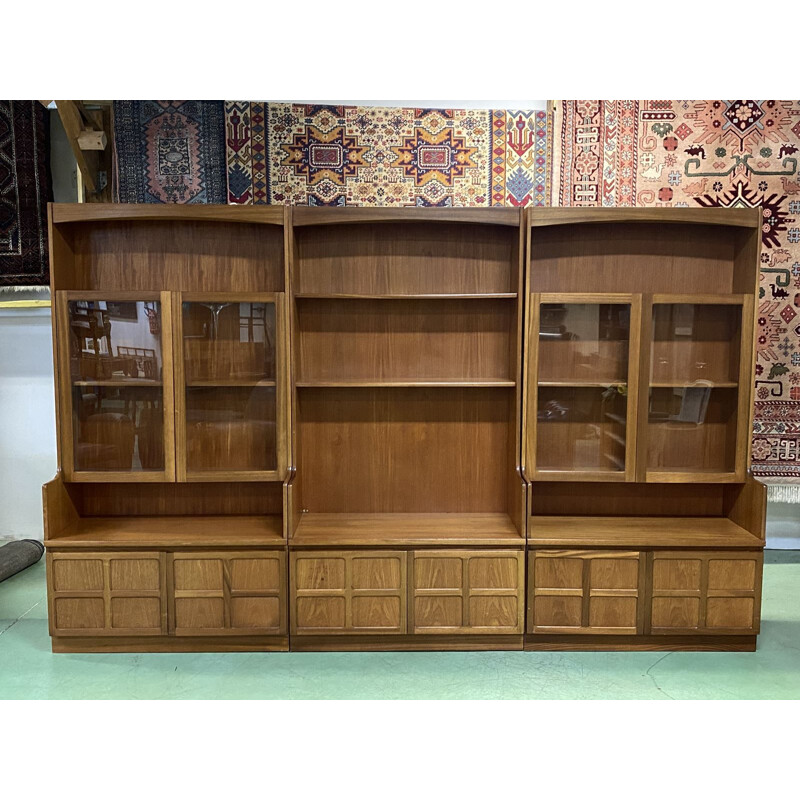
x,y
695,343
115,368
228,343
584,343
694,388
581,428
692,429
230,428
229,362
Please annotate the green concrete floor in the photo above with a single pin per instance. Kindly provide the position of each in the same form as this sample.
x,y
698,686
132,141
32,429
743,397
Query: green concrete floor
x,y
28,670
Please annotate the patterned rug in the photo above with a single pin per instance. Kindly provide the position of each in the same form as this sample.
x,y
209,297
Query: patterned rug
x,y
711,153
24,192
169,151
371,156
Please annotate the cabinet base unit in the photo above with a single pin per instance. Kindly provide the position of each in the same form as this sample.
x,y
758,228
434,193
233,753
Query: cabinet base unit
x,y
643,600
406,599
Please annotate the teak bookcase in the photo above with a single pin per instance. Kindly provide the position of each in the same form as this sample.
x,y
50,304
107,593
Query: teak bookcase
x,y
376,429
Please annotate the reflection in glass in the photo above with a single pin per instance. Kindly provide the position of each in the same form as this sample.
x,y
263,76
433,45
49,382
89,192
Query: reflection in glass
x,y
695,342
229,341
230,369
584,342
581,428
115,367
692,428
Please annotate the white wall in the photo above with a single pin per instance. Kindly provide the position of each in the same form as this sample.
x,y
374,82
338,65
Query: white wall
x,y
27,420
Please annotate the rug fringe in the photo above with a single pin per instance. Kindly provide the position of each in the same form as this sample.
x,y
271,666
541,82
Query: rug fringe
x,y
783,492
34,289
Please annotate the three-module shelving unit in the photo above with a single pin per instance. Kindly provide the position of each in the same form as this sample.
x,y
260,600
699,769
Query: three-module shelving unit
x,y
394,429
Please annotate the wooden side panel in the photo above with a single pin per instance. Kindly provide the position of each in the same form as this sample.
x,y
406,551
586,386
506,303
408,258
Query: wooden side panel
x,y
467,591
348,592
219,593
705,592
107,594
585,592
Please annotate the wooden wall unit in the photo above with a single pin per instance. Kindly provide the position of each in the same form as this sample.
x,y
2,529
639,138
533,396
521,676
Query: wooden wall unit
x,y
645,530
391,429
165,523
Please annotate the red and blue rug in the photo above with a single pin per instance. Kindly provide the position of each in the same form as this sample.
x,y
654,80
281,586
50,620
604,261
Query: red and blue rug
x,y
24,192
170,151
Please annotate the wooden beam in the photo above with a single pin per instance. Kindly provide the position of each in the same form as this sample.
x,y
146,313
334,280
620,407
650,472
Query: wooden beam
x,y
73,126
92,140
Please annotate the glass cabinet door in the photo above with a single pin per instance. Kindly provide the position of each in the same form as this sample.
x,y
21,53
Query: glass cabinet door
x,y
229,404
698,361
116,386
584,405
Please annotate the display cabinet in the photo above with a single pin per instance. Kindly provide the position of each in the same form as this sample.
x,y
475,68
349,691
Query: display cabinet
x,y
165,523
645,530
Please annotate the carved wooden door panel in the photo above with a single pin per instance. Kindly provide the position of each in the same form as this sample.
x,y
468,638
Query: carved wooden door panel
x,y
463,591
337,592
582,591
107,594
233,593
696,592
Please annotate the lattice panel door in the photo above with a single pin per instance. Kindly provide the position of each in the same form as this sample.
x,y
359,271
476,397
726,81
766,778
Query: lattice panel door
x,y
696,592
586,592
348,592
102,594
464,591
234,593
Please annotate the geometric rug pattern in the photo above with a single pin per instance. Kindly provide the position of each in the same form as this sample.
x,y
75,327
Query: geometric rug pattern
x,y
169,151
323,155
24,192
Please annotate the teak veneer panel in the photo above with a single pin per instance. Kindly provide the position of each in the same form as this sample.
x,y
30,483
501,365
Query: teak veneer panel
x,y
405,258
630,256
639,532
402,450
371,530
696,592
342,340
341,592
627,499
111,212
174,531
107,594
586,592
228,593
467,592
153,255
174,499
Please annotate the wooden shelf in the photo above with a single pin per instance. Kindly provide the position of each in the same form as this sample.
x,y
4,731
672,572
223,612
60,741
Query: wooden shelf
x,y
345,530
689,385
131,382
637,532
400,383
229,382
436,296
177,531
587,383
